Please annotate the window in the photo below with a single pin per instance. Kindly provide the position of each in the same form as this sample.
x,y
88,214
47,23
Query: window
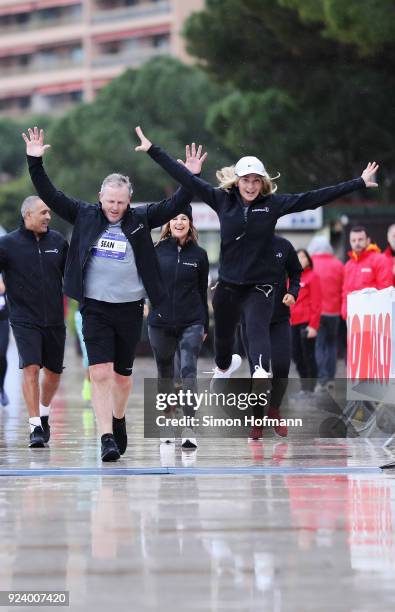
x,y
161,40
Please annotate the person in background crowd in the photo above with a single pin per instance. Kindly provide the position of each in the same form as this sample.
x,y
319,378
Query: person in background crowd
x,y
305,322
4,337
367,266
390,250
330,271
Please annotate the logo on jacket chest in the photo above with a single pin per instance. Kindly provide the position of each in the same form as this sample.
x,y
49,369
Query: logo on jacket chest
x,y
190,263
266,209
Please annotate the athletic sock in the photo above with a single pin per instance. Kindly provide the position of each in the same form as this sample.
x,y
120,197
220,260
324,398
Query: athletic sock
x,y
44,410
34,422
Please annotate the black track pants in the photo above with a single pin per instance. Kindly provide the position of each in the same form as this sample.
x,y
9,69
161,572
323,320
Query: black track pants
x,y
255,305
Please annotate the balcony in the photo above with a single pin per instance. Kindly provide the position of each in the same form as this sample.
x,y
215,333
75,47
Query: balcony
x,y
39,24
135,58
36,67
130,12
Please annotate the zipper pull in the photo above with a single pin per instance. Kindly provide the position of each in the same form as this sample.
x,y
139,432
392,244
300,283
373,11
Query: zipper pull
x,y
241,236
137,229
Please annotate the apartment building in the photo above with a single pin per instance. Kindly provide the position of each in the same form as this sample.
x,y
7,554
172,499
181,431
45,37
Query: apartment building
x,y
55,53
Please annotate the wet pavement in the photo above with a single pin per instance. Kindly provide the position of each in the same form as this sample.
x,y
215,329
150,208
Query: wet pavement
x,y
302,523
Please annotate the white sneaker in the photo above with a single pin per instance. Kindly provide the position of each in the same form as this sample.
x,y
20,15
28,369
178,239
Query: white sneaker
x,y
235,364
260,372
188,440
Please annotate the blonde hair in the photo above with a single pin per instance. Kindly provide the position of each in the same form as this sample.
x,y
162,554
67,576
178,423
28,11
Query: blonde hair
x,y
166,233
228,178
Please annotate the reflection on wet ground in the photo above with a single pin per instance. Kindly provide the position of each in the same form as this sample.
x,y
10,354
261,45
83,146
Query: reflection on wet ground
x,y
278,541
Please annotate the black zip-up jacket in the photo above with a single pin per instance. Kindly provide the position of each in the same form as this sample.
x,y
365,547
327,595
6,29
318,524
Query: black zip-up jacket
x,y
90,222
185,270
246,255
33,275
291,271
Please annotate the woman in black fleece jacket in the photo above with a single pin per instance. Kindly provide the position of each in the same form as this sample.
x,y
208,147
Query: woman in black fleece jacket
x,y
180,322
248,210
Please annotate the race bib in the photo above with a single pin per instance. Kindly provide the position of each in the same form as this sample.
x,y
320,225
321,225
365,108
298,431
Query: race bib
x,y
110,245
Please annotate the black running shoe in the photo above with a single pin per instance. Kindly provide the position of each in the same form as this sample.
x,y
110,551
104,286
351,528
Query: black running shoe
x,y
37,438
46,428
109,448
120,435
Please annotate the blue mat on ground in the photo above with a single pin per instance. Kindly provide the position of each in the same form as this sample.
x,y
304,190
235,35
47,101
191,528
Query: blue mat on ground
x,y
195,471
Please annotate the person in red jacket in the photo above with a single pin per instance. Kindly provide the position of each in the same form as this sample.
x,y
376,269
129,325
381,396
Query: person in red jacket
x,y
367,266
330,271
390,250
305,322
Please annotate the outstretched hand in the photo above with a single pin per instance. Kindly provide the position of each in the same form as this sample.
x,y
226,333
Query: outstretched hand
x,y
35,142
145,144
368,174
193,158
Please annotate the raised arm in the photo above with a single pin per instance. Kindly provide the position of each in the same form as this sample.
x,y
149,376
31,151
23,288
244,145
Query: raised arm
x,y
313,199
179,170
160,213
63,205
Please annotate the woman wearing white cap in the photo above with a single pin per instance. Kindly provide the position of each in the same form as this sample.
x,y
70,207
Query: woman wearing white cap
x,y
248,211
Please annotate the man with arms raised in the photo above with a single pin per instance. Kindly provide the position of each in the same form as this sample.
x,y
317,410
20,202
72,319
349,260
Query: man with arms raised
x,y
110,269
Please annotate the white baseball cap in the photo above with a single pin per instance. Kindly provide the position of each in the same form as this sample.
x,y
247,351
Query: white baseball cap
x,y
250,165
